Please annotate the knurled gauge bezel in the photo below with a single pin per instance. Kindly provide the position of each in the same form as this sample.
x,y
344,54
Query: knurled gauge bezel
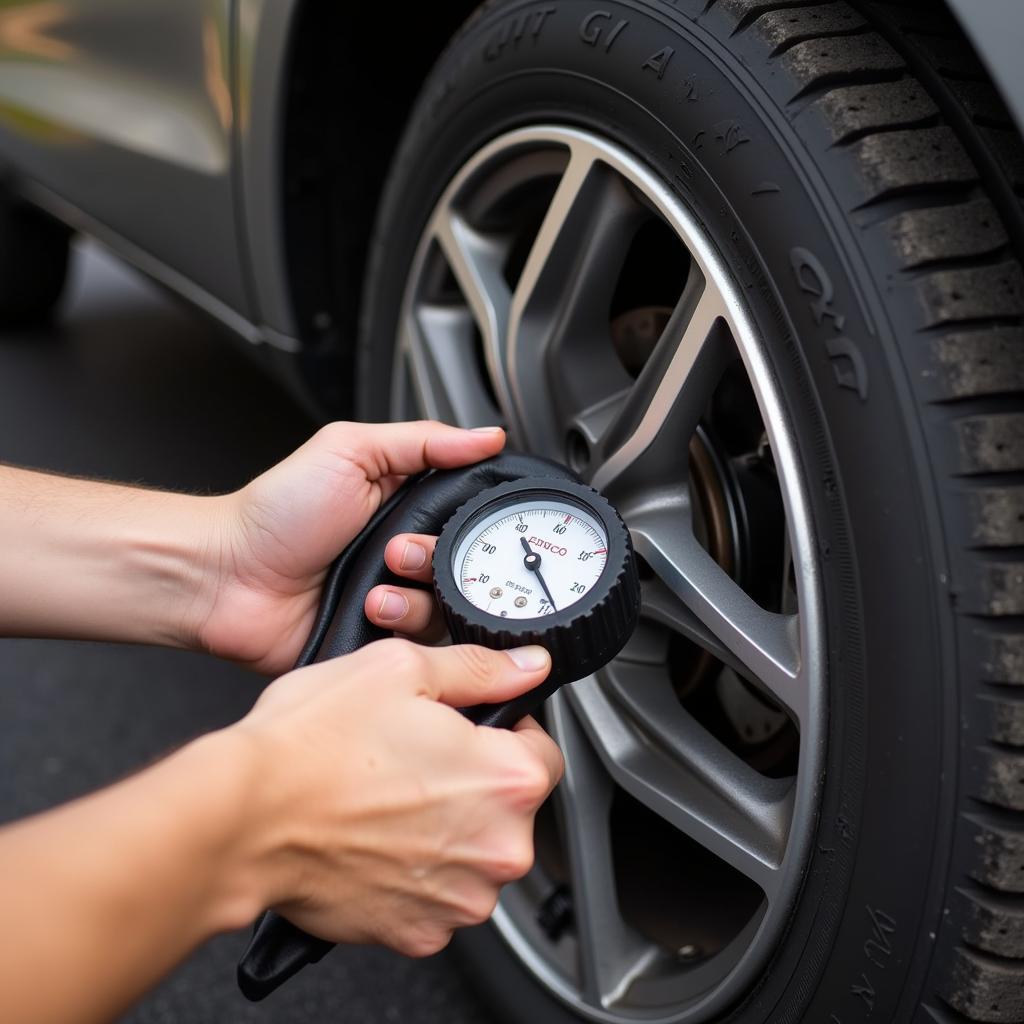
x,y
611,604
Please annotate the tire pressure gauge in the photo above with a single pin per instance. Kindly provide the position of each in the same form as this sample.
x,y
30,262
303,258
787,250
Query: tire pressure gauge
x,y
540,561
535,560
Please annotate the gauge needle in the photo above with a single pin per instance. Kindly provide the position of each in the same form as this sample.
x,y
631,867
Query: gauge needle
x,y
532,562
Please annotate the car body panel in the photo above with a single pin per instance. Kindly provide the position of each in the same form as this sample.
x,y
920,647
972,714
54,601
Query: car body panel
x,y
264,35
996,28
158,125
123,110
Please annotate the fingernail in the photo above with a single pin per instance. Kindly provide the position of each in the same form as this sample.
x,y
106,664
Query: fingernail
x,y
529,659
487,430
392,606
414,556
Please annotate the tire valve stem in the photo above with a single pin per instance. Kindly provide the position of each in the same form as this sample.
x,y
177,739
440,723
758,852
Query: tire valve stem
x,y
688,953
555,915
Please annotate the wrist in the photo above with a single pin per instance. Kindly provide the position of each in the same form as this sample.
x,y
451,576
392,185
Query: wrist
x,y
100,561
206,557
234,829
174,547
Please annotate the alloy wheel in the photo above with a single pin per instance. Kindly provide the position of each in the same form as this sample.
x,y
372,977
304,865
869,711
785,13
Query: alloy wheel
x,y
561,288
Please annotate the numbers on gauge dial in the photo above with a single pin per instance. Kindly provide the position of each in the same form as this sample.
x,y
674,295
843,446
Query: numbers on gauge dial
x,y
566,546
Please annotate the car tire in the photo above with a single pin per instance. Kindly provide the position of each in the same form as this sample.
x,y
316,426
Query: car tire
x,y
861,180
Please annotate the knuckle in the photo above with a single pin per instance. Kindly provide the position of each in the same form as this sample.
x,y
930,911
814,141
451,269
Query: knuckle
x,y
425,941
515,861
333,433
529,782
480,907
404,658
537,780
523,778
558,758
477,662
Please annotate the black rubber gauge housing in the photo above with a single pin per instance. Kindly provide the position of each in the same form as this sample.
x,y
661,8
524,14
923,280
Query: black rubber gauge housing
x,y
581,636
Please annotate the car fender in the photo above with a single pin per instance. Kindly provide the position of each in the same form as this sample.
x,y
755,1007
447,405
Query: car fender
x,y
263,45
996,29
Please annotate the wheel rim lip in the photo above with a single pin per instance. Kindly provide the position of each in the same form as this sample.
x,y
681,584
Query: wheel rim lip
x,y
765,384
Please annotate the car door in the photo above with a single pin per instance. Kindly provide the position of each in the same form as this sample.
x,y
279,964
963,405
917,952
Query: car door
x,y
123,109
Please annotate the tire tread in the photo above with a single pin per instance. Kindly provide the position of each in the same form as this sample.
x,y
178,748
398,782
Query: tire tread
x,y
897,92
995,922
967,364
820,64
945,234
786,28
851,112
985,988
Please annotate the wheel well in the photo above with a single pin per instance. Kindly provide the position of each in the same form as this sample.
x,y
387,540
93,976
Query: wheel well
x,y
353,77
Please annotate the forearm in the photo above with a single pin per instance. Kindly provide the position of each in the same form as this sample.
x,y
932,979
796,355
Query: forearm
x,y
103,897
87,560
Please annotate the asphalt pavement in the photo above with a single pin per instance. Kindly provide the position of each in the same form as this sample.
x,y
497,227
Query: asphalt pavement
x,y
130,385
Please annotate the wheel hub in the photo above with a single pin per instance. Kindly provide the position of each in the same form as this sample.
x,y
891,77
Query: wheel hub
x,y
720,506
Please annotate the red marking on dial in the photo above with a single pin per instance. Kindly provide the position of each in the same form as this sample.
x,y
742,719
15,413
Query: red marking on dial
x,y
568,519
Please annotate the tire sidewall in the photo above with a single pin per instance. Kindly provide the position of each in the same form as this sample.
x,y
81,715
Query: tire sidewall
x,y
705,126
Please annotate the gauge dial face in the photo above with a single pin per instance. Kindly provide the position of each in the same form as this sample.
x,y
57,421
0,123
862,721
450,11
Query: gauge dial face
x,y
530,558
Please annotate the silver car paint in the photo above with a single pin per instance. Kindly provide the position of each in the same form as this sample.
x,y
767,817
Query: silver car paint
x,y
264,29
996,28
124,110
157,125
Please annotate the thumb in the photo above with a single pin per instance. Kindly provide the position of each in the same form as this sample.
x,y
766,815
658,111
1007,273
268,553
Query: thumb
x,y
465,674
386,449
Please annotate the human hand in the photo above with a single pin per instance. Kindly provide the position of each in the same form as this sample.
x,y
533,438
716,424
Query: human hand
x,y
275,538
385,816
409,611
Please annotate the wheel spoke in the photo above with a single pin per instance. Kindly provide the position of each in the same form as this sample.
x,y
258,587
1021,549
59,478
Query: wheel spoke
x,y
659,415
660,605
762,802
612,954
476,262
560,308
746,827
439,342
593,422
765,643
